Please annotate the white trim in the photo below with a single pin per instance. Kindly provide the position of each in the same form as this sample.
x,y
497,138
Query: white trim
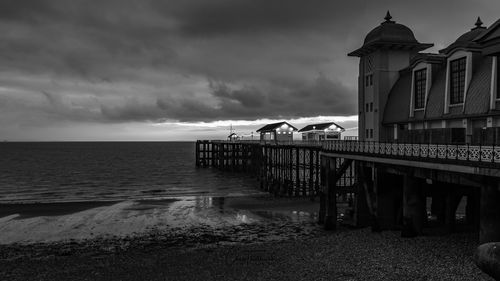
x,y
447,89
489,122
468,75
428,83
494,82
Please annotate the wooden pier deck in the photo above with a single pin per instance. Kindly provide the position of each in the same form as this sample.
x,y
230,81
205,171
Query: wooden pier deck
x,y
284,169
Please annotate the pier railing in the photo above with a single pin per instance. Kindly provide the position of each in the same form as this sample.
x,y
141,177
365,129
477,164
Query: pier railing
x,y
449,152
274,142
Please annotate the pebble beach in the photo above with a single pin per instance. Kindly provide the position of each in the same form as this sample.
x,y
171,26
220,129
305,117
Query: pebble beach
x,y
347,254
260,238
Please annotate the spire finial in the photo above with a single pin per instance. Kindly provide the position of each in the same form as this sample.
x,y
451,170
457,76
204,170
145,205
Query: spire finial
x,y
388,17
478,24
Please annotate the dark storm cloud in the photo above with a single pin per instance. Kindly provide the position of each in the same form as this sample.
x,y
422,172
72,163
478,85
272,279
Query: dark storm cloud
x,y
195,60
320,97
220,17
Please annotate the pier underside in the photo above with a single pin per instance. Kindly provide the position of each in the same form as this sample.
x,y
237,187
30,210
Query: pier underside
x,y
426,198
416,193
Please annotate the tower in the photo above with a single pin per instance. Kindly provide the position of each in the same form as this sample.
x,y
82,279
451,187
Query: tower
x,y
386,50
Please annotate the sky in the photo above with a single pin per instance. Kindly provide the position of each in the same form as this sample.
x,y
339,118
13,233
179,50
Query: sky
x,y
183,70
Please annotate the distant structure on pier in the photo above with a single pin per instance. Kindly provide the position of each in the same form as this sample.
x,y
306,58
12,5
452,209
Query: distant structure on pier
x,y
233,137
281,131
321,132
446,97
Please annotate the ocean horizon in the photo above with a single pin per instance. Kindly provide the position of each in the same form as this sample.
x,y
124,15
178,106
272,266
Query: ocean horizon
x,y
48,172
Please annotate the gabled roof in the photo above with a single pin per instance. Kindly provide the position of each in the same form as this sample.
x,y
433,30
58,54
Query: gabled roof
x,y
490,39
320,126
232,134
489,33
467,40
274,126
427,58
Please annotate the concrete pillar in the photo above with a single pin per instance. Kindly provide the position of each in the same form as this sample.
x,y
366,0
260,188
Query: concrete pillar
x,y
331,205
438,207
452,199
414,213
472,209
362,212
388,192
489,230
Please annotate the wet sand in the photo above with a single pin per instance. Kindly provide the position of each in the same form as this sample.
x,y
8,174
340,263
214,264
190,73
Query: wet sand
x,y
214,238
59,222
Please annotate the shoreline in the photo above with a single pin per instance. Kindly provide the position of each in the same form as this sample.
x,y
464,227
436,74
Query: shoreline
x,y
73,221
347,254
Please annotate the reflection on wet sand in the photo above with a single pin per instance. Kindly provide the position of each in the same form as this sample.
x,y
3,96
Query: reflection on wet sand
x,y
263,214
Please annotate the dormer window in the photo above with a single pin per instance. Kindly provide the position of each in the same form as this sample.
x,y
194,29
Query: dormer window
x,y
498,77
457,80
419,88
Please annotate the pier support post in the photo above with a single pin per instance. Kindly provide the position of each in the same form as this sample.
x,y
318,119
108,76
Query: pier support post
x,y
322,195
414,212
362,211
489,230
387,188
452,200
331,195
197,153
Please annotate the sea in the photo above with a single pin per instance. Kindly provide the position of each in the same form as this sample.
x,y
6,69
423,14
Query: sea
x,y
47,172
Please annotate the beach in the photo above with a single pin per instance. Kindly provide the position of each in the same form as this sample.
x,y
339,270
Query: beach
x,y
343,255
240,238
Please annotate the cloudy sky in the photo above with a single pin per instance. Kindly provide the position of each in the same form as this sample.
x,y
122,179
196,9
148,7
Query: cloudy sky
x,y
187,69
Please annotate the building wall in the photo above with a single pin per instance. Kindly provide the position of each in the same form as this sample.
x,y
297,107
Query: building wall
x,y
384,65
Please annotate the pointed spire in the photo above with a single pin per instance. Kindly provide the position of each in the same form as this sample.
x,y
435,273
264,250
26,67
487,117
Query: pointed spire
x,y
388,17
478,24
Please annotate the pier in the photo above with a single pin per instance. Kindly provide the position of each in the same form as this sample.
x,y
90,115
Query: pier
x,y
283,168
389,185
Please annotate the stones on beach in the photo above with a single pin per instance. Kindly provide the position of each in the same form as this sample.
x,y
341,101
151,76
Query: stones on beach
x,y
487,258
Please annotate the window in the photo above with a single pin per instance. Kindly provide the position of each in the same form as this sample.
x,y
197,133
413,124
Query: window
x,y
498,77
367,108
371,133
371,106
419,88
369,80
457,80
367,133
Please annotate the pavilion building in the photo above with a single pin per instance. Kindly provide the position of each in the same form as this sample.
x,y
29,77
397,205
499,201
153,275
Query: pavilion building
x,y
321,132
445,97
281,131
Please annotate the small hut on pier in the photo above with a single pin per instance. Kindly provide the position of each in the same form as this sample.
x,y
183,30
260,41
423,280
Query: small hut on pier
x,y
281,131
321,132
233,137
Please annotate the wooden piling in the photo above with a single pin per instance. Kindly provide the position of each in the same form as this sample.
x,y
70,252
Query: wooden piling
x,y
331,195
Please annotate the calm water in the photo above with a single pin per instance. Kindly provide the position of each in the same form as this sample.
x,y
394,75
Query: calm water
x,y
70,171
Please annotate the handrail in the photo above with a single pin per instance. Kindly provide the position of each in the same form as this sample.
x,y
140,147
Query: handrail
x,y
456,152
469,153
